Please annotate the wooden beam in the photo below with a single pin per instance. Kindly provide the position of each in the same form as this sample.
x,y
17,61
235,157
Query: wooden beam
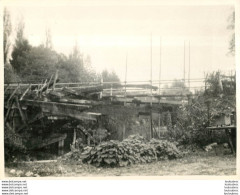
x,y
13,93
23,117
55,80
71,91
8,111
25,92
62,109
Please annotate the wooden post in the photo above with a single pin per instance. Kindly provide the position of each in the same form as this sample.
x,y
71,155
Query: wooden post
x,y
13,93
88,140
55,80
8,111
60,147
74,138
49,82
151,125
124,131
230,140
125,92
25,92
111,92
101,93
21,112
159,124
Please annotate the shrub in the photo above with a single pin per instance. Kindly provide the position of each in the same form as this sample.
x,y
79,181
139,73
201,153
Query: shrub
x,y
130,151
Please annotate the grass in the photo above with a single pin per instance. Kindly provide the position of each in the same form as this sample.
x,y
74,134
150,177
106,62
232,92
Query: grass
x,y
216,162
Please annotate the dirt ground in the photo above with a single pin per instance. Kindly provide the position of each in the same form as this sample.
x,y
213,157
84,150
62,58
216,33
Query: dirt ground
x,y
215,162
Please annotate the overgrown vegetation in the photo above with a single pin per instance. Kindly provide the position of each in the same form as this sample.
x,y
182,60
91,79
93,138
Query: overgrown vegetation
x,y
34,64
133,150
194,117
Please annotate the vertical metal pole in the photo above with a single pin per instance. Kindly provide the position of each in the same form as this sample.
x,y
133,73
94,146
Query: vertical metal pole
x,y
184,63
125,101
101,83
159,85
160,64
189,65
151,130
151,71
111,92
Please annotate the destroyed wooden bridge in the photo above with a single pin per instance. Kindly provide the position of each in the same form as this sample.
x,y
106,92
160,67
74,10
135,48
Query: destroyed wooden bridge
x,y
25,106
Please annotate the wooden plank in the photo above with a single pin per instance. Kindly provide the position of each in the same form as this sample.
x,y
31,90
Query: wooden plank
x,y
62,109
76,101
53,104
55,80
23,117
8,111
89,89
60,147
221,128
13,93
25,92
71,91
56,94
48,84
230,140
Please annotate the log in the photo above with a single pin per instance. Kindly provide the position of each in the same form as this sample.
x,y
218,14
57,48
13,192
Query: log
x,y
71,91
75,101
89,89
55,94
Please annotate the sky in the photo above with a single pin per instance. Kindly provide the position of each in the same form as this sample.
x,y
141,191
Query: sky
x,y
116,34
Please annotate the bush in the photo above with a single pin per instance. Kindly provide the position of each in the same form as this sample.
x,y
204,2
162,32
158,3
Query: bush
x,y
165,149
130,151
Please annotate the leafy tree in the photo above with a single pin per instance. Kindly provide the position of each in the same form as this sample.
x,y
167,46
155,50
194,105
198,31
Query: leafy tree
x,y
7,32
178,87
193,118
75,68
110,76
40,64
21,48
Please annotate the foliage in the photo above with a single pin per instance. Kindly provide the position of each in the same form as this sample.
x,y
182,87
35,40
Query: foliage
x,y
40,63
20,50
178,87
12,148
35,64
9,75
130,151
110,76
165,149
75,68
193,118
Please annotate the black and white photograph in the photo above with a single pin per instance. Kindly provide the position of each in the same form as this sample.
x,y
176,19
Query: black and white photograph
x,y
119,88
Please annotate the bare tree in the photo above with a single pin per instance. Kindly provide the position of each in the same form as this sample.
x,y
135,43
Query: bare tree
x,y
48,39
231,27
7,32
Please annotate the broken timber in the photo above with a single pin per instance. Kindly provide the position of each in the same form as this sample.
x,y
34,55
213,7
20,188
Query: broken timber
x,y
63,109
